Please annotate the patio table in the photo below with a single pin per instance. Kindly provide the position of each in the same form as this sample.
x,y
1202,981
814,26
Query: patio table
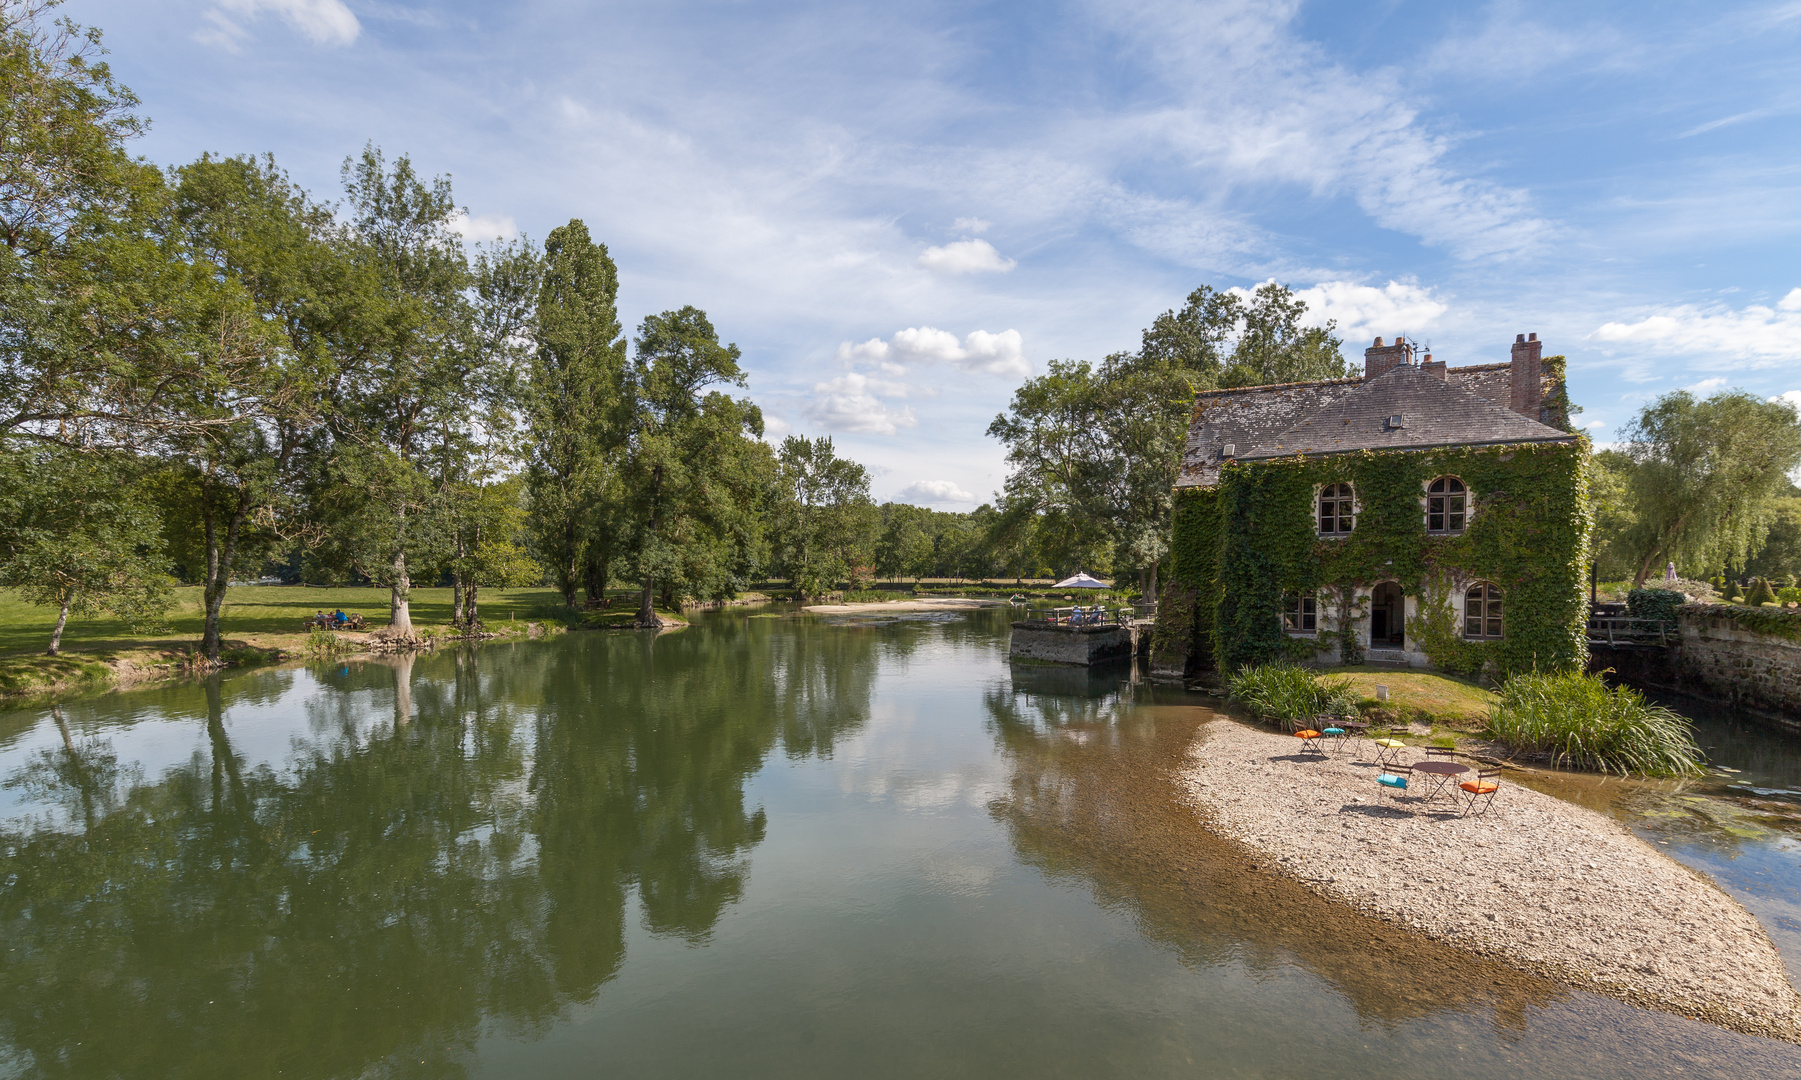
x,y
1443,770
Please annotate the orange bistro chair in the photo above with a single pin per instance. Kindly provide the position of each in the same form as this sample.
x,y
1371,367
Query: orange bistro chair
x,y
1311,739
1484,786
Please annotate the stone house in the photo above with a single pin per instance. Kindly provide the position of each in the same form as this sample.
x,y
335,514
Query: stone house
x,y
1420,514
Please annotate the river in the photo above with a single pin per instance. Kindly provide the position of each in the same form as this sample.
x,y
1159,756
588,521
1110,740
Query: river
x,y
769,844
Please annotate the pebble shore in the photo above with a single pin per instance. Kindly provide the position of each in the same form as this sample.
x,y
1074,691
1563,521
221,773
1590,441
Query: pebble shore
x,y
1536,883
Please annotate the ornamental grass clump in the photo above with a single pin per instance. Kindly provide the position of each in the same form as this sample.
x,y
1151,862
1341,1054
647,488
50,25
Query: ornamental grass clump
x,y
1580,721
1286,693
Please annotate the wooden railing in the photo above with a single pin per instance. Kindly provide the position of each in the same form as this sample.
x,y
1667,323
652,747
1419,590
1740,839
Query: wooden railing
x,y
1619,630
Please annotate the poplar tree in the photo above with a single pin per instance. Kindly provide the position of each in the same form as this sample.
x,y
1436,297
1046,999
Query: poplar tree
x,y
574,409
824,520
694,464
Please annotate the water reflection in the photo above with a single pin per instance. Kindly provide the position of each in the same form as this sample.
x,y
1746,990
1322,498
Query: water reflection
x,y
1091,801
450,844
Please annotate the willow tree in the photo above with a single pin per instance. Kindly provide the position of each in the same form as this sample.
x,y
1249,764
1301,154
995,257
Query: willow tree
x,y
1706,478
574,408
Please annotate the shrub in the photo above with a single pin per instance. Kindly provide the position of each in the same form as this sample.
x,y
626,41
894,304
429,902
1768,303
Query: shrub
x,y
1789,595
1729,591
1283,692
1578,720
1761,593
1654,603
327,643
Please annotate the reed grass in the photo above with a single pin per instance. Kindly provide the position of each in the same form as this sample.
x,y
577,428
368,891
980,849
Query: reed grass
x,y
1580,721
1286,693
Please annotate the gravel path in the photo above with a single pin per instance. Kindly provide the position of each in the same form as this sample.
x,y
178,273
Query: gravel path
x,y
1537,883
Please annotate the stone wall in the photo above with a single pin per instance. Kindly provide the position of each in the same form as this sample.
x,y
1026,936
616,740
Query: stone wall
x,y
1726,659
1070,644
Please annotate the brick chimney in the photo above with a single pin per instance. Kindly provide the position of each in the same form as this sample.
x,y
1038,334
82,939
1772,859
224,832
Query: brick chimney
x,y
1527,373
1434,368
1379,359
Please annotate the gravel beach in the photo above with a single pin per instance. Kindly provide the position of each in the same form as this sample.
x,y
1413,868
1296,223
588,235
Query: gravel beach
x,y
1537,883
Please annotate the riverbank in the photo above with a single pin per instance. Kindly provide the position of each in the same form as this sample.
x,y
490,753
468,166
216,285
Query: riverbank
x,y
959,603
1537,883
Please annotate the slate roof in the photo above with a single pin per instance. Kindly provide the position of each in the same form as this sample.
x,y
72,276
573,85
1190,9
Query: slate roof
x,y
1343,415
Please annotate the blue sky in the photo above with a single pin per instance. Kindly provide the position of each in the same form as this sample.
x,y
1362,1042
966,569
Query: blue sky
x,y
900,209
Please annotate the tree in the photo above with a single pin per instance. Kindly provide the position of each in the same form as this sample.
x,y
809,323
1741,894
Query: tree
x,y
1706,477
402,382
477,444
824,520
1099,447
1780,556
575,411
94,314
903,547
77,535
694,464
272,285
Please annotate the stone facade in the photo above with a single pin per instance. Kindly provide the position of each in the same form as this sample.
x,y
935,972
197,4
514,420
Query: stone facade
x,y
1728,660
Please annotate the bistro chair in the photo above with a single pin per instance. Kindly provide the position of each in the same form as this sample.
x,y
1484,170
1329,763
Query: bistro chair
x,y
1388,752
1447,753
1311,738
1483,787
1328,727
1395,777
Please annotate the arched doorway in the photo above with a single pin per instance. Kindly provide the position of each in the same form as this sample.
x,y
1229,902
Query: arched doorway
x,y
1388,617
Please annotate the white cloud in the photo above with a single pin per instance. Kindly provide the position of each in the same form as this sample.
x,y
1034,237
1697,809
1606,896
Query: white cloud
x,y
1792,399
1256,104
1754,336
850,403
971,225
325,22
980,352
935,491
966,257
1707,386
1366,311
480,228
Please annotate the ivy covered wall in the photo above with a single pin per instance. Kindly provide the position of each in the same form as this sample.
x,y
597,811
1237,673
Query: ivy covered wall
x,y
1238,548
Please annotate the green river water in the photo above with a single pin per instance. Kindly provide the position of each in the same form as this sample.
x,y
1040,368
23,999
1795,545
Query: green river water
x,y
768,845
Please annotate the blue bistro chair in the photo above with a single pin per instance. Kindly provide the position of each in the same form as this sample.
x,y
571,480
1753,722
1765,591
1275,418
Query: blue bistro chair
x,y
1328,727
1395,777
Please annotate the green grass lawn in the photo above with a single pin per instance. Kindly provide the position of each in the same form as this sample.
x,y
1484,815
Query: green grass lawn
x,y
1446,699
256,611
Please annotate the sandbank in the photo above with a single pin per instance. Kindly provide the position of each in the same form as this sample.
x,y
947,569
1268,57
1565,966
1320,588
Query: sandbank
x,y
1537,883
951,603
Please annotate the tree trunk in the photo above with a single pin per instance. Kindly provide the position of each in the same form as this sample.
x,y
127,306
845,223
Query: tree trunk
x,y
647,612
1150,594
219,559
400,614
56,635
471,621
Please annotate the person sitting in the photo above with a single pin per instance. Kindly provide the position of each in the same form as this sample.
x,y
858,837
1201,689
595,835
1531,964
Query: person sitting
x,y
337,617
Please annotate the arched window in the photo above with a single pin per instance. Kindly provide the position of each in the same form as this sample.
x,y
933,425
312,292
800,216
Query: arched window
x,y
1482,611
1447,506
1337,515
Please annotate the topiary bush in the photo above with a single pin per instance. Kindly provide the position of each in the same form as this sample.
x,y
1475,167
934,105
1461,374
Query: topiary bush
x,y
1579,721
1654,603
1760,593
1730,591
